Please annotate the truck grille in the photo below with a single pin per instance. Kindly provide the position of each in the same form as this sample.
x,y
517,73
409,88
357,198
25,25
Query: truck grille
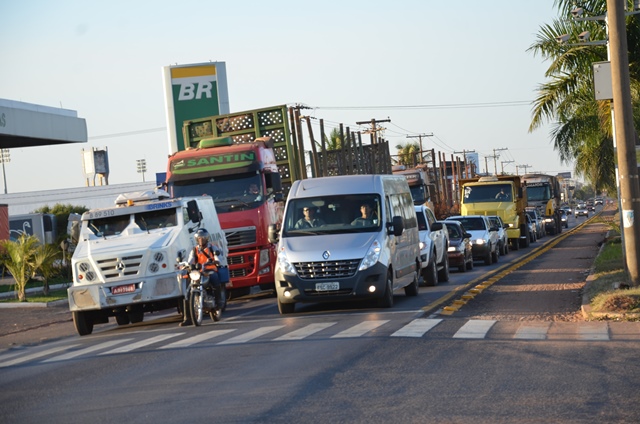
x,y
120,267
329,269
237,238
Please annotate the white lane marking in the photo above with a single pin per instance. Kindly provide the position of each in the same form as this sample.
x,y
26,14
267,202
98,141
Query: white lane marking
x,y
593,331
416,328
142,343
243,338
306,331
35,356
474,329
360,329
196,339
84,351
532,332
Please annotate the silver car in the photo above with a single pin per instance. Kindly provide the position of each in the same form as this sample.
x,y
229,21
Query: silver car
x,y
503,239
484,237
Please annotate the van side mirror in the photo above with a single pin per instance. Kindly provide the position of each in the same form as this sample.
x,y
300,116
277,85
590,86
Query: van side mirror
x,y
396,227
193,211
272,233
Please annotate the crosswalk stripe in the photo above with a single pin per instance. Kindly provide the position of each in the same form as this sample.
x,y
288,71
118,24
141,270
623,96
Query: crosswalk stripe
x,y
360,329
474,329
35,356
196,339
417,328
306,331
593,331
243,338
84,351
532,332
143,343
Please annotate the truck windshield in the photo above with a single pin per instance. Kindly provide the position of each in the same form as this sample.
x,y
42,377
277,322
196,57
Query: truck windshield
x,y
146,221
538,192
229,193
332,215
417,193
487,193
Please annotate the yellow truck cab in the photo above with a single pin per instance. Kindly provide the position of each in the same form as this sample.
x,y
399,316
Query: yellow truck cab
x,y
504,196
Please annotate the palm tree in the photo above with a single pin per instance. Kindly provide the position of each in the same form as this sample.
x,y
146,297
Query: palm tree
x,y
582,126
408,154
45,258
20,261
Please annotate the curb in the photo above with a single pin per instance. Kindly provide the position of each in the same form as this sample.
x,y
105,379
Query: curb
x,y
10,295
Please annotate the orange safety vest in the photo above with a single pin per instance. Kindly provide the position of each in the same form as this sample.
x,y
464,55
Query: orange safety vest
x,y
204,255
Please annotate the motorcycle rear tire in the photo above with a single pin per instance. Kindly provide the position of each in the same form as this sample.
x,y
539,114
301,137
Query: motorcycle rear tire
x,y
196,307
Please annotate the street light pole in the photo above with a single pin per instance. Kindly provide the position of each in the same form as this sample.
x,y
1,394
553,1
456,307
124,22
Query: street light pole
x,y
4,157
625,137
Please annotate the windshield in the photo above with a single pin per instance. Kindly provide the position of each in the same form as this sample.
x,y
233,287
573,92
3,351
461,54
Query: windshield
x,y
487,193
332,215
417,193
538,193
229,193
471,223
146,221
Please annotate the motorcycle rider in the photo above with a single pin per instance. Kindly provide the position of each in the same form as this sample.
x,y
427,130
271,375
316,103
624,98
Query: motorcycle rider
x,y
204,253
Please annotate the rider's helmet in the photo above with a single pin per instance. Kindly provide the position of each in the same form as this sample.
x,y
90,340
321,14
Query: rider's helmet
x,y
202,237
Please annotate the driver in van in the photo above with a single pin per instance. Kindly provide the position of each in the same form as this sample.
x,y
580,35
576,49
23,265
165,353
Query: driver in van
x,y
367,216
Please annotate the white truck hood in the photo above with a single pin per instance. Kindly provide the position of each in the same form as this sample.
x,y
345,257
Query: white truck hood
x,y
114,245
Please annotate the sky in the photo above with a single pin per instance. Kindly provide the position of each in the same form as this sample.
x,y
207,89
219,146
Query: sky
x,y
456,70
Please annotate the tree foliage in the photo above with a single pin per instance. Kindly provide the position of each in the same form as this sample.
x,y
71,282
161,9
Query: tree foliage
x,y
582,126
62,213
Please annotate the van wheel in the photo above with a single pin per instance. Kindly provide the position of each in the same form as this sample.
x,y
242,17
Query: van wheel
x,y
443,273
496,254
286,308
387,299
412,289
83,323
430,273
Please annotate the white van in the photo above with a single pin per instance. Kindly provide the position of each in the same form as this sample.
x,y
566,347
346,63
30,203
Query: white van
x,y
345,238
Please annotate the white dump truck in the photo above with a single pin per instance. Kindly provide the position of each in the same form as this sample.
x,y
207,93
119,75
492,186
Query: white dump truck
x,y
125,262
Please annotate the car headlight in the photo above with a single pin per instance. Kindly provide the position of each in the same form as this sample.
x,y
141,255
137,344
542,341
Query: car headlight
x,y
479,241
372,256
548,220
451,249
284,263
422,245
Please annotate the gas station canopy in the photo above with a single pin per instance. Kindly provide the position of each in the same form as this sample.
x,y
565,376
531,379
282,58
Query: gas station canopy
x,y
28,125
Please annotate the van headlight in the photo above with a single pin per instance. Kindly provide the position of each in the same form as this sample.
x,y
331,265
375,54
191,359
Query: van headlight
x,y
372,256
284,263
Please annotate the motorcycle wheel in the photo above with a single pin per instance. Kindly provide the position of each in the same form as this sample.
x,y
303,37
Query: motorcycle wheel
x,y
195,306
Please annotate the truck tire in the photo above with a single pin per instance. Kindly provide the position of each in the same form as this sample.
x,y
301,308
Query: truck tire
x,y
122,318
515,244
524,241
83,323
443,273
430,273
136,315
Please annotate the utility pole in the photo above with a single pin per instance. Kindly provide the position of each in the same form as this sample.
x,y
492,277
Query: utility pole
x,y
522,166
467,170
374,127
502,164
495,157
625,137
419,136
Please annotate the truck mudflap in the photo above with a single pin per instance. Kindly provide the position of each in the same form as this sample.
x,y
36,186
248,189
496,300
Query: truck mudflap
x,y
121,294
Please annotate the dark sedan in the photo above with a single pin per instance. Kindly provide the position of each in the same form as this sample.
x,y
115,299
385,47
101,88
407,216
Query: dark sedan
x,y
460,248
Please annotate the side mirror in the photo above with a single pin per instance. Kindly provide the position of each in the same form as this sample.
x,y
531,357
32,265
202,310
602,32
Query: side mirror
x,y
193,211
467,235
396,227
272,233
436,226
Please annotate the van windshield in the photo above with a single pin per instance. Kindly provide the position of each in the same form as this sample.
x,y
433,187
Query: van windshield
x,y
332,215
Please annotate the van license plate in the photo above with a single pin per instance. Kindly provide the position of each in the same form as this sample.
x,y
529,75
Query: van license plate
x,y
327,286
129,288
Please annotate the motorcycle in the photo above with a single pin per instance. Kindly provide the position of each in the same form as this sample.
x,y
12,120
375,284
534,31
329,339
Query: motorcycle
x,y
199,291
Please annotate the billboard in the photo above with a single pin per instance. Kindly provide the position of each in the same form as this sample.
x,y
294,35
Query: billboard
x,y
193,91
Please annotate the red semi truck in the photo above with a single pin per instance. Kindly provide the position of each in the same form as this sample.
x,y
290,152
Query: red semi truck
x,y
241,160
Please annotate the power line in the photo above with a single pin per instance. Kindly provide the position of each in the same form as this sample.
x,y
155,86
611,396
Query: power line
x,y
515,103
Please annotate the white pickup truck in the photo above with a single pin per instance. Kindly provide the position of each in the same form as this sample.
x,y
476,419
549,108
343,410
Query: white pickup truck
x,y
434,243
125,262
